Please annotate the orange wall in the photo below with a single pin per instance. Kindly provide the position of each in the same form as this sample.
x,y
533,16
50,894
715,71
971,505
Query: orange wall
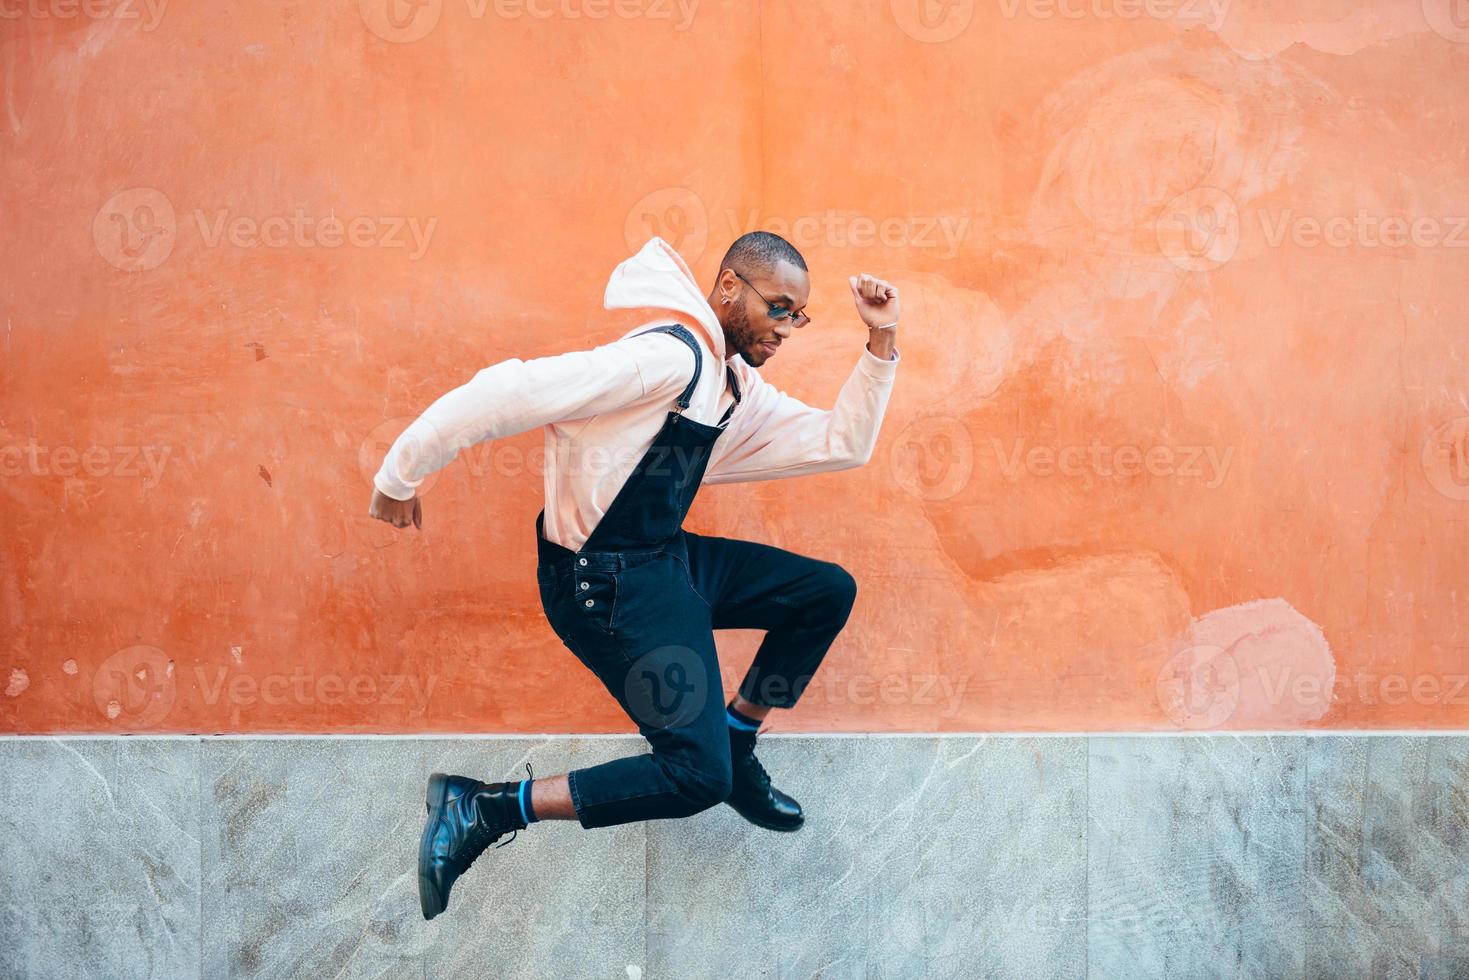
x,y
1100,216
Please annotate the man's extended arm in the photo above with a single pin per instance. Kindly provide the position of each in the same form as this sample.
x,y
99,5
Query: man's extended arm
x,y
515,396
780,436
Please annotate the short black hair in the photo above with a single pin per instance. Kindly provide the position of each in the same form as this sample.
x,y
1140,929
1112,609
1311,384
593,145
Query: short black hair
x,y
757,253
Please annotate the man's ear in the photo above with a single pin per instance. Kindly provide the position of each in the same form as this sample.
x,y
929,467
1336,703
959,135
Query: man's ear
x,y
727,284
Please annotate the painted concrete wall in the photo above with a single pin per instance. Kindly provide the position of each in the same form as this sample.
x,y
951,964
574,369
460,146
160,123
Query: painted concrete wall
x,y
1180,440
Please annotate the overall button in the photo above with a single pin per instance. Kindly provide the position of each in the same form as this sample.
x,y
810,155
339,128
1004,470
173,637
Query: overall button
x,y
582,561
589,602
584,585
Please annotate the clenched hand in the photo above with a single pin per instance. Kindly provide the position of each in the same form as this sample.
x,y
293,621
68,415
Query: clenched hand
x,y
396,512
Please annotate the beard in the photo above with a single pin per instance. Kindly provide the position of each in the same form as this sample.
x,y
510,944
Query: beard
x,y
740,334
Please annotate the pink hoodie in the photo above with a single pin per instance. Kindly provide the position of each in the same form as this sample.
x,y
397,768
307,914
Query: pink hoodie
x,y
601,408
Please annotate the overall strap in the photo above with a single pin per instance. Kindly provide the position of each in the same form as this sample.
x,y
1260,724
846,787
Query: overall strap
x,y
682,333
734,387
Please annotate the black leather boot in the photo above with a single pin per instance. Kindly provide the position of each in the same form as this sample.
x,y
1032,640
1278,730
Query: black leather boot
x,y
464,817
753,797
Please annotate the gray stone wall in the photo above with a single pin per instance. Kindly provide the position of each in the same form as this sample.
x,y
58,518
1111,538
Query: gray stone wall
x,y
1122,856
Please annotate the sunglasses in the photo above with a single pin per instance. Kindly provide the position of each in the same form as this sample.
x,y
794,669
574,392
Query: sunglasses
x,y
776,311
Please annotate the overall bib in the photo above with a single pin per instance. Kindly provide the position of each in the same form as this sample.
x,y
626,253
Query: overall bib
x,y
626,606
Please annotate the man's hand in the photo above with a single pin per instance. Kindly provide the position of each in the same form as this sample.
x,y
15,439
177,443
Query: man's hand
x,y
396,512
877,304
876,299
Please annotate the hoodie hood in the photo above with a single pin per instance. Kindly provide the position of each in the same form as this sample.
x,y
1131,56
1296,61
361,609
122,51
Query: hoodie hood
x,y
657,277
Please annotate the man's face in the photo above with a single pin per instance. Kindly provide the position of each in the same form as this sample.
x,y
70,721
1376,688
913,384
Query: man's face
x,y
749,329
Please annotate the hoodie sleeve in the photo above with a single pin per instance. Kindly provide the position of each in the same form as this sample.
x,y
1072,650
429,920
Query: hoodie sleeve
x,y
774,436
514,396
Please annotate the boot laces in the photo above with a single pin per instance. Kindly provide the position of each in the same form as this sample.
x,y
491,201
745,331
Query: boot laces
x,y
486,833
753,766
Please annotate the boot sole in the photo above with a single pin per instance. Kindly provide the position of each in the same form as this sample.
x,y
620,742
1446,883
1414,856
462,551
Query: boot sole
x,y
783,828
429,900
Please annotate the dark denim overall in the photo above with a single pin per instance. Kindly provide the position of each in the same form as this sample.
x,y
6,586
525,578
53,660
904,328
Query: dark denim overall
x,y
625,604
638,605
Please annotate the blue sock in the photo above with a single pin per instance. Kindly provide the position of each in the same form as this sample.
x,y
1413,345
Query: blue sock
x,y
522,790
522,794
740,721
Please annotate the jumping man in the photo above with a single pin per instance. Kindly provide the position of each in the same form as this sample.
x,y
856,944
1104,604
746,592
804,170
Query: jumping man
x,y
633,428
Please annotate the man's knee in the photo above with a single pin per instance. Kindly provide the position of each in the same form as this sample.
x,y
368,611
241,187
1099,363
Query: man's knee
x,y
702,782
838,589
